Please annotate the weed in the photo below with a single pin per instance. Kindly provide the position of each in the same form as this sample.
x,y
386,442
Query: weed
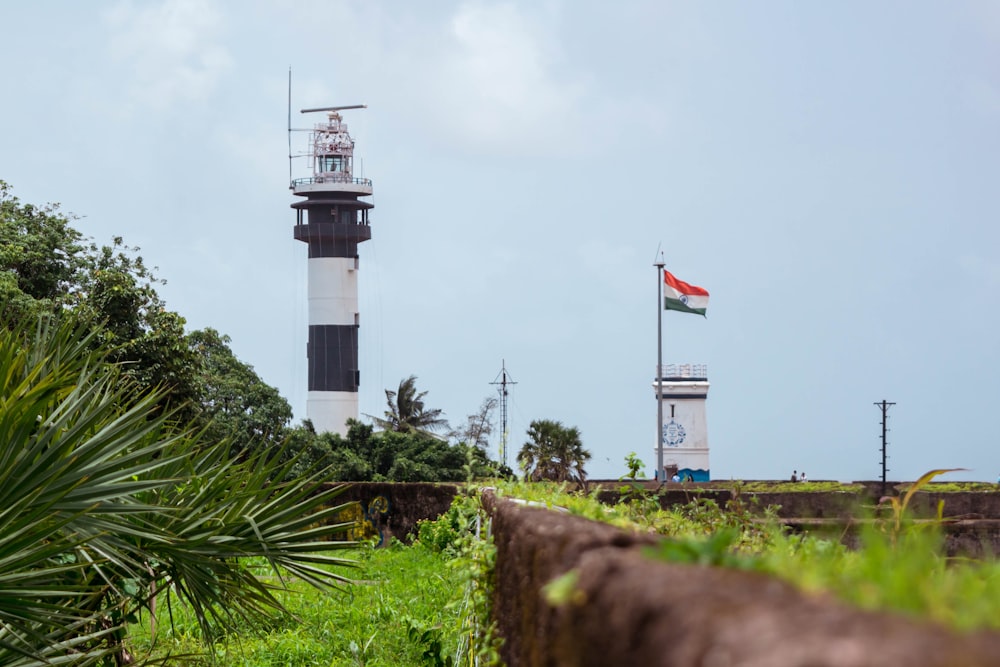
x,y
900,518
718,549
635,466
430,638
360,653
563,590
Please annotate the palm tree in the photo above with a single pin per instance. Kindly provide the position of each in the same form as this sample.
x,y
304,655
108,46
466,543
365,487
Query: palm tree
x,y
407,413
109,506
553,452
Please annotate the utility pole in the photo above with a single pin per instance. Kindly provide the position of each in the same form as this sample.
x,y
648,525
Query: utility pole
x,y
504,381
884,406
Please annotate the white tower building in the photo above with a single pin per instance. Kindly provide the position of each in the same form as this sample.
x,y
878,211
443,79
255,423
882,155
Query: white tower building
x,y
683,389
332,220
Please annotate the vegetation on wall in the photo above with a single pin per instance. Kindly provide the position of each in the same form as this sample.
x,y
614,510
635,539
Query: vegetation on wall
x,y
899,566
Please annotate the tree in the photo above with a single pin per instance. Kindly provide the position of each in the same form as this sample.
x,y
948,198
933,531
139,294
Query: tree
x,y
395,456
116,293
41,257
107,508
553,452
478,426
364,455
475,436
407,413
48,267
236,402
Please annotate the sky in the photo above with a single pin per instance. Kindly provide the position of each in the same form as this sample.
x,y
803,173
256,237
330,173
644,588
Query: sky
x,y
830,172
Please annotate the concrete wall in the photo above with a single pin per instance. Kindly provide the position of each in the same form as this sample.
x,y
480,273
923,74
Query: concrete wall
x,y
632,610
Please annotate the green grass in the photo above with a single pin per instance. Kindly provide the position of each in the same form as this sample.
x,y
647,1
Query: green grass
x,y
795,487
368,624
956,487
908,575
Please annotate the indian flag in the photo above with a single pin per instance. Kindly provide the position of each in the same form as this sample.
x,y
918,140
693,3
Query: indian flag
x,y
678,295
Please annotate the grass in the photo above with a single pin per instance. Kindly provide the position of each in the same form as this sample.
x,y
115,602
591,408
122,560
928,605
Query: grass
x,y
796,487
842,487
957,487
908,576
402,605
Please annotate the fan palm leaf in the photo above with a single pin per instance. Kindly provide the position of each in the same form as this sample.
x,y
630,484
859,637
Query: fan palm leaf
x,y
106,505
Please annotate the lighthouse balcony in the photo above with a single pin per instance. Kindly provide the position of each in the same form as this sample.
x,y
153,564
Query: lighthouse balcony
x,y
332,182
316,232
697,372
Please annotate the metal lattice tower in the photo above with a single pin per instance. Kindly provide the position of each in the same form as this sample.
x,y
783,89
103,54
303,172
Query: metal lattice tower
x,y
504,380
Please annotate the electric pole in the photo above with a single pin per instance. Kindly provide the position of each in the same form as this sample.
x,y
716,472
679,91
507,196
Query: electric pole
x,y
884,406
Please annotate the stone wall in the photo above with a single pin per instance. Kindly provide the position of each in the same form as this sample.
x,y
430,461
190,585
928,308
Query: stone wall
x,y
392,509
971,525
823,504
629,609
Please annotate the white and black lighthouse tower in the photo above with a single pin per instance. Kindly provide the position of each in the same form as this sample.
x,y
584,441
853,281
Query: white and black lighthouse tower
x,y
332,218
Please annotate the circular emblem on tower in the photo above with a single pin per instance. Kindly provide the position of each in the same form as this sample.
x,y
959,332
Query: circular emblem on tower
x,y
673,434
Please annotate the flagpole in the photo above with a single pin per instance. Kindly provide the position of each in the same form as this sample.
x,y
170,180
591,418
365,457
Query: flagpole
x,y
660,475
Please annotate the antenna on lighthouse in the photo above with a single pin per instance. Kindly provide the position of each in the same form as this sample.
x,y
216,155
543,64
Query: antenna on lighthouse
x,y
504,380
340,108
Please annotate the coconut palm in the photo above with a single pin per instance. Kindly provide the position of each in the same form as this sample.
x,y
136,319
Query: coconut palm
x,y
108,506
553,452
407,413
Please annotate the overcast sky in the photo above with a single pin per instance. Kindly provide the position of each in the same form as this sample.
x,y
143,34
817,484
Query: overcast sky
x,y
830,172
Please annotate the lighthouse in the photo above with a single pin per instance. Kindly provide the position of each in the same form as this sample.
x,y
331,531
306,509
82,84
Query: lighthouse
x,y
332,219
682,390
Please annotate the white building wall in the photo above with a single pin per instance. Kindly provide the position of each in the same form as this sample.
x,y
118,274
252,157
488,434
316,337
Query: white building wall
x,y
330,410
333,290
686,424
